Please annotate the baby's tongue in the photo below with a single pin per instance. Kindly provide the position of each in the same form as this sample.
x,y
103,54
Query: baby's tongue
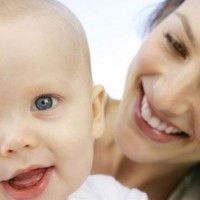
x,y
28,179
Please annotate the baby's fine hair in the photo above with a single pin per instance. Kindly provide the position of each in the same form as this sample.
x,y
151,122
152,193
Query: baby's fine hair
x,y
55,12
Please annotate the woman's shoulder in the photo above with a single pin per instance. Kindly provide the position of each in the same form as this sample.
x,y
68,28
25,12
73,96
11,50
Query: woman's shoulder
x,y
189,186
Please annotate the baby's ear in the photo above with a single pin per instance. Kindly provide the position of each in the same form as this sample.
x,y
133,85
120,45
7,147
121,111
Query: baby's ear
x,y
98,107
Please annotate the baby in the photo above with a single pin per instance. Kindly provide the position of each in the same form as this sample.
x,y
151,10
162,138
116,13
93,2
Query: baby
x,y
50,112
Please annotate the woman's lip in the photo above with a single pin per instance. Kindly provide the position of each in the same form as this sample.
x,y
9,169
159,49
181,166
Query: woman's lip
x,y
146,129
32,191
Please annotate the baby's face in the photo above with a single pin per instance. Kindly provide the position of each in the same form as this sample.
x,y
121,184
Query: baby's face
x,y
46,119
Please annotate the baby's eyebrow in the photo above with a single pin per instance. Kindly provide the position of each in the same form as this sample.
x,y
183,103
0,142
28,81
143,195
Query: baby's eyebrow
x,y
187,27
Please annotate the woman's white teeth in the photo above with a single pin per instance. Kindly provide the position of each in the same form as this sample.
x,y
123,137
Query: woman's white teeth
x,y
146,113
162,126
154,121
169,129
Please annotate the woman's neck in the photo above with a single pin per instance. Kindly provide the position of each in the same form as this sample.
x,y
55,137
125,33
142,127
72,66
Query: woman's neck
x,y
158,180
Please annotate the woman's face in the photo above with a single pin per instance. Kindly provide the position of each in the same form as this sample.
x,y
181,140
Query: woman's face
x,y
159,115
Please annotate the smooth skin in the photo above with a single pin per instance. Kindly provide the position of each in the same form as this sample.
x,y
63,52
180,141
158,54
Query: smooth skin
x,y
46,59
170,77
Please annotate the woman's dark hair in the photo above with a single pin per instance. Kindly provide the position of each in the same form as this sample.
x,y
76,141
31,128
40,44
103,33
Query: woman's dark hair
x,y
163,10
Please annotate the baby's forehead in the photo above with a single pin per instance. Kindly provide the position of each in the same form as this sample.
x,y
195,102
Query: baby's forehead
x,y
45,37
38,55
41,42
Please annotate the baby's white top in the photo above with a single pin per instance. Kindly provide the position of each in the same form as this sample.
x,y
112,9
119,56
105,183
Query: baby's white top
x,y
101,187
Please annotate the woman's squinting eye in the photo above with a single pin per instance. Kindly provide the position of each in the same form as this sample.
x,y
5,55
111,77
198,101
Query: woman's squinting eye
x,y
44,102
178,46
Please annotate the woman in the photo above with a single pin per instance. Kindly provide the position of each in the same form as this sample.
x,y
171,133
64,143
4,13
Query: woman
x,y
152,135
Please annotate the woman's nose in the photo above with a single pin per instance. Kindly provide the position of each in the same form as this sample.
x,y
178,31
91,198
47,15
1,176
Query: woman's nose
x,y
17,144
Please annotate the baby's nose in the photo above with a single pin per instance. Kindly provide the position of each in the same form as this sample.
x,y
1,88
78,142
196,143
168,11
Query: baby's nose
x,y
17,144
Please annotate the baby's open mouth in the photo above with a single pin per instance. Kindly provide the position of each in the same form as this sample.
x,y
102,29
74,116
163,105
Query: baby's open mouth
x,y
28,183
27,180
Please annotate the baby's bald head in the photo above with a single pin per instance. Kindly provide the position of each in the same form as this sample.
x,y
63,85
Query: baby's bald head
x,y
46,91
50,29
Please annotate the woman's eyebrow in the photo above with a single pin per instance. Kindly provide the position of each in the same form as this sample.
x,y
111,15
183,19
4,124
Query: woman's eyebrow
x,y
187,27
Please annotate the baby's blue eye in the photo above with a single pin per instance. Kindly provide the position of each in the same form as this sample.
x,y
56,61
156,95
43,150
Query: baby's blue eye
x,y
43,102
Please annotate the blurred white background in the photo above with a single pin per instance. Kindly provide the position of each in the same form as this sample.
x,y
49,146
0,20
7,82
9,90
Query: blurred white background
x,y
112,28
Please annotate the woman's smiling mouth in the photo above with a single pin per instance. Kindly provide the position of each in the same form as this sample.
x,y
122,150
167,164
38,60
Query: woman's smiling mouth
x,y
151,125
